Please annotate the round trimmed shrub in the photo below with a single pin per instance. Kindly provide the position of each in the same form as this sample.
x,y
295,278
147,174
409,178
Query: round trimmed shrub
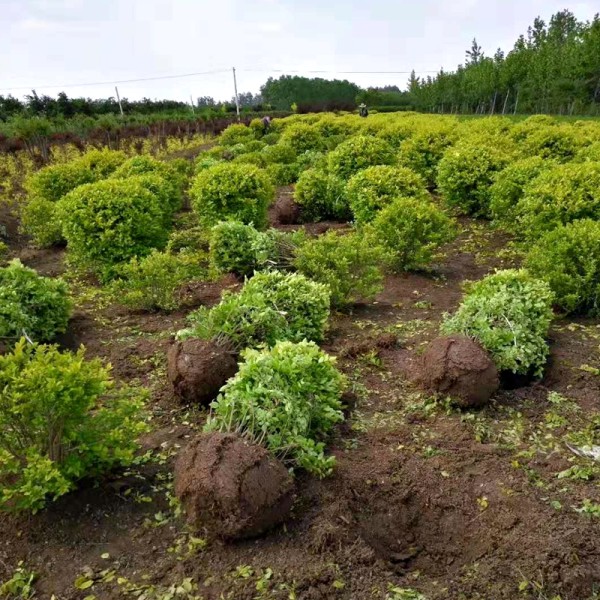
x,y
171,190
559,195
568,258
281,153
60,420
228,192
32,305
250,158
347,264
509,313
103,163
40,221
271,306
509,187
321,196
111,221
302,137
53,182
236,134
359,152
410,230
288,398
423,151
465,175
553,142
281,174
373,188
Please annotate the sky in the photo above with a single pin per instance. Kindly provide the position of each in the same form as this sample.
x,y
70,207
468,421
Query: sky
x,y
57,45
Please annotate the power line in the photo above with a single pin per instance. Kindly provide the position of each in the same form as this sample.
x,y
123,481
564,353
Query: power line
x,y
213,72
117,82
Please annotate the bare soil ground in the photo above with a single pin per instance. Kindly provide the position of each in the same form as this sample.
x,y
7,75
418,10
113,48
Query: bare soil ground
x,y
457,505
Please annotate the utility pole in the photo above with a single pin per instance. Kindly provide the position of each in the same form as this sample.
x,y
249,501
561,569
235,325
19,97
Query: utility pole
x,y
237,100
119,100
192,104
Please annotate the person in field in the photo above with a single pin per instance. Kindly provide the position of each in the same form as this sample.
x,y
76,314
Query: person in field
x,y
266,121
362,110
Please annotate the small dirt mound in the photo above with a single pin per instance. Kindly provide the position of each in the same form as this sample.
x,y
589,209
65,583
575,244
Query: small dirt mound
x,y
358,348
460,368
197,369
231,487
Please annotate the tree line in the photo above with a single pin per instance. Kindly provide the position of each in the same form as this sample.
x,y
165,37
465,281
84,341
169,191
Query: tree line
x,y
553,68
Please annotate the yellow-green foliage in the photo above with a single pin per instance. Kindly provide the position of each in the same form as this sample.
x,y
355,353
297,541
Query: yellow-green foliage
x,y
111,221
374,188
230,192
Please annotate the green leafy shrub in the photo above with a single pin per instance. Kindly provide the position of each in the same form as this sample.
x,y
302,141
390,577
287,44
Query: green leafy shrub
x,y
228,192
271,138
271,306
348,264
61,420
568,258
551,142
250,158
321,196
110,222
287,398
410,230
53,182
194,239
312,159
233,247
359,152
509,312
509,187
281,174
236,134
281,153
302,137
102,163
590,153
465,175
40,221
423,151
242,249
170,190
31,304
559,195
151,283
204,162
373,188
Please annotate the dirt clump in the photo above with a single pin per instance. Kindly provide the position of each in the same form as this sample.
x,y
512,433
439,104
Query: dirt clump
x,y
231,487
197,369
358,348
459,367
286,211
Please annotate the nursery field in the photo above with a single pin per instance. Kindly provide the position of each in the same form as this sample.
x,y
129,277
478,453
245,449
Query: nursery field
x,y
349,358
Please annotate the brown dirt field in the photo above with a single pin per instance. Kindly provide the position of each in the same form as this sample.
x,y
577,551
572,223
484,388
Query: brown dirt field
x,y
458,505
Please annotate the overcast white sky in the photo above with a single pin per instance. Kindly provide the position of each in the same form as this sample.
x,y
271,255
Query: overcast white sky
x,y
50,43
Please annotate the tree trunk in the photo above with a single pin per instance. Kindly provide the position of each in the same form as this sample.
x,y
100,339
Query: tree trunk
x,y
516,103
505,101
493,107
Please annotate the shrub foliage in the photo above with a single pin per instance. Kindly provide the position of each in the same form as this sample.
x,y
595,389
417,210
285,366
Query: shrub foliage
x,y
287,398
509,312
61,420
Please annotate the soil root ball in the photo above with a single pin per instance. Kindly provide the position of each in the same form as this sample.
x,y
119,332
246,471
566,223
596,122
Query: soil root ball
x,y
286,211
459,367
197,369
231,487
